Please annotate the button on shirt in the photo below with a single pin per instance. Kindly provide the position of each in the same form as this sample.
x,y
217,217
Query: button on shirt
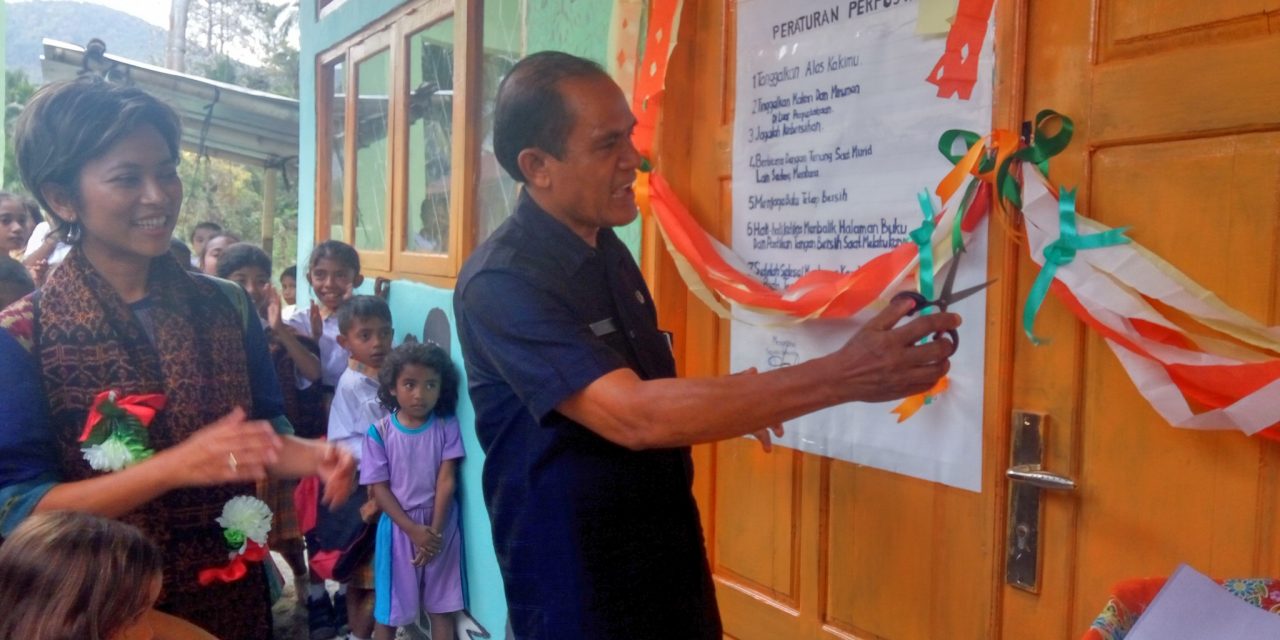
x,y
594,540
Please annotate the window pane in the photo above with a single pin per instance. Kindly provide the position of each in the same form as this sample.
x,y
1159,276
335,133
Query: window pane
x,y
372,175
503,35
430,138
337,122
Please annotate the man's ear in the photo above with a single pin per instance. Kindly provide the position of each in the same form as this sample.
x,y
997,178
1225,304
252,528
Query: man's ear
x,y
535,164
343,342
60,202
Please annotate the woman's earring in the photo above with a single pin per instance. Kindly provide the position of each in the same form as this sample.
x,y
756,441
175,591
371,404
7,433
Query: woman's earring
x,y
74,233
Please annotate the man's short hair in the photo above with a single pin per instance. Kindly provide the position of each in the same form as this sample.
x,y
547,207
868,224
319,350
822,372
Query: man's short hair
x,y
362,308
530,112
211,226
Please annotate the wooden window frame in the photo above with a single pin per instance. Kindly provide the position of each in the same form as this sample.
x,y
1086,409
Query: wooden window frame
x,y
393,32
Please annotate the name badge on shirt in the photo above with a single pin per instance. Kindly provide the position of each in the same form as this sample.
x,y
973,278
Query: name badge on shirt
x,y
602,328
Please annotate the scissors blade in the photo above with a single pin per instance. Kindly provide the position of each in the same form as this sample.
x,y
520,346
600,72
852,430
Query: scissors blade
x,y
949,281
965,293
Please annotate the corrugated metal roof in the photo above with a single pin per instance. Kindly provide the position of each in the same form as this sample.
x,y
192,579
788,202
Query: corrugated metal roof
x,y
223,120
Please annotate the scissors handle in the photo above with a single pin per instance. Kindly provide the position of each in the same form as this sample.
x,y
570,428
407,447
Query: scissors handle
x,y
920,303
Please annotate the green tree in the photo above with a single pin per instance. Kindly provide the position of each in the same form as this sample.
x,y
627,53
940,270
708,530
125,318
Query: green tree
x,y
17,91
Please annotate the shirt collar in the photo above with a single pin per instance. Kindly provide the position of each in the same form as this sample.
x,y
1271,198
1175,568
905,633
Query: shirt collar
x,y
362,368
559,242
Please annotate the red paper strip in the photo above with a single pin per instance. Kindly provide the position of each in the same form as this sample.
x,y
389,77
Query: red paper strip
x,y
957,69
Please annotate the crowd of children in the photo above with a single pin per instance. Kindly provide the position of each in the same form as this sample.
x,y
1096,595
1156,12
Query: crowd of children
x,y
394,546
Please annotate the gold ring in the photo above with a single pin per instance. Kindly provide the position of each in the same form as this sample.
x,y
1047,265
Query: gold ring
x,y
231,460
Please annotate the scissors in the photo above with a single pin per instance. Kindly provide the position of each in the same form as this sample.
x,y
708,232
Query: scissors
x,y
944,299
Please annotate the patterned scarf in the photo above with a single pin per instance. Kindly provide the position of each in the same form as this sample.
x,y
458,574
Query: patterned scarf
x,y
88,340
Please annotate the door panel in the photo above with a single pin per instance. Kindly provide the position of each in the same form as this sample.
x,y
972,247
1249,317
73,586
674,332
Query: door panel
x,y
757,516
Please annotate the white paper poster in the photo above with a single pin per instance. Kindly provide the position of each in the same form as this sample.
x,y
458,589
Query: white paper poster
x,y
835,133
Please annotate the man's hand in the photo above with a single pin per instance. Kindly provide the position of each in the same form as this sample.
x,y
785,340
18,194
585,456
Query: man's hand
x,y
883,362
766,442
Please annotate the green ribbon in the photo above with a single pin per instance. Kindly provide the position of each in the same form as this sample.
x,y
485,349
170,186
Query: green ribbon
x,y
923,237
1061,252
235,538
1043,147
957,234
946,145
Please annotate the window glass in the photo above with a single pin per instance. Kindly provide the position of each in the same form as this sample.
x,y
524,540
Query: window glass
x,y
372,172
430,58
337,74
503,46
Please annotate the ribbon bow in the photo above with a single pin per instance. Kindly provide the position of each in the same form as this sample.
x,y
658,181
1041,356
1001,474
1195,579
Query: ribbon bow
x,y
1060,253
108,405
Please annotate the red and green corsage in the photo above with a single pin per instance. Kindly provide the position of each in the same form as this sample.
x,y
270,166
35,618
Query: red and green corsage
x,y
245,521
115,434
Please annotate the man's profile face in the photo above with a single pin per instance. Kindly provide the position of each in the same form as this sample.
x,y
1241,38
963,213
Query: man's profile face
x,y
591,185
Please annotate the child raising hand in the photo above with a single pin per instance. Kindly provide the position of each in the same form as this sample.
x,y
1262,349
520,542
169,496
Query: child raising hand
x,y
410,464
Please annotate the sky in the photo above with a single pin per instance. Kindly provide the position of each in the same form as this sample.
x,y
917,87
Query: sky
x,y
154,11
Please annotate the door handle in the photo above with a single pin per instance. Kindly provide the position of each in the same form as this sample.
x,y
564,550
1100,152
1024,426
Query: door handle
x,y
1035,476
1027,481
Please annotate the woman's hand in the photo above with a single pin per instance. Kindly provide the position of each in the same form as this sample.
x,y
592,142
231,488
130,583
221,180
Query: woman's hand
x,y
337,470
231,449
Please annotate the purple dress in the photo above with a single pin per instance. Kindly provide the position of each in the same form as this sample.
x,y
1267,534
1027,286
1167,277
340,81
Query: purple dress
x,y
409,461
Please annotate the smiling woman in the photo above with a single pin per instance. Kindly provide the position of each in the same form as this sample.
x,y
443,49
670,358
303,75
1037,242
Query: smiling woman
x,y
121,323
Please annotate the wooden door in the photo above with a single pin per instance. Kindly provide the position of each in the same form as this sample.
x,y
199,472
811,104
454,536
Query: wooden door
x,y
1177,111
804,546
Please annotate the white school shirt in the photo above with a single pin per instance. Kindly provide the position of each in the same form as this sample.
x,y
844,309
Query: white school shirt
x,y
355,407
38,235
333,358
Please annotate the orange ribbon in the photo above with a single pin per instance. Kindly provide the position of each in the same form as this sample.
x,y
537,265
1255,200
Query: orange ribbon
x,y
912,404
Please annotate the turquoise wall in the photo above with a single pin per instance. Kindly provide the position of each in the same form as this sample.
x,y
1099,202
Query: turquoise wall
x,y
574,26
410,304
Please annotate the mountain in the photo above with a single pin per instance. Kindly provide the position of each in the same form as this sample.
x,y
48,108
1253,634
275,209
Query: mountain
x,y
77,23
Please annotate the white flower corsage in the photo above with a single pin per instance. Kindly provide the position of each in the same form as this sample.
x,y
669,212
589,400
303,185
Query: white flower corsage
x,y
115,433
245,521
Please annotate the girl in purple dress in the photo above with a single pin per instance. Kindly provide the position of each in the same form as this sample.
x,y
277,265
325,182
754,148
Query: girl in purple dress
x,y
410,464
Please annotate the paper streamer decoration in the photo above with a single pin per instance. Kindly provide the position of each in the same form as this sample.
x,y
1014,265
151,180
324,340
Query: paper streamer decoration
x,y
957,69
1236,385
651,75
1193,378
